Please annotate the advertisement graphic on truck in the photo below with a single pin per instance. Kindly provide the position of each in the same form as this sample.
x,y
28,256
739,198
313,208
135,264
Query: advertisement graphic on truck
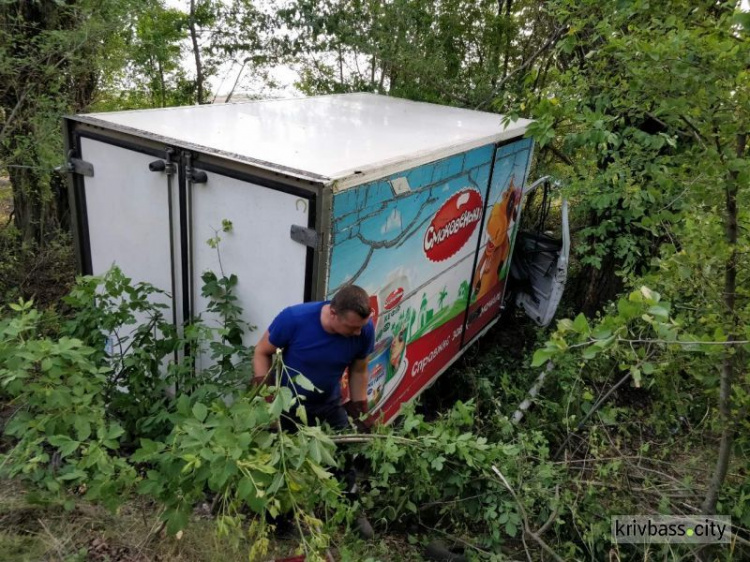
x,y
415,254
502,217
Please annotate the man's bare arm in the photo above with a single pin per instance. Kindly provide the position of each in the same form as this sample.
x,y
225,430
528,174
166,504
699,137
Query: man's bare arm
x,y
262,359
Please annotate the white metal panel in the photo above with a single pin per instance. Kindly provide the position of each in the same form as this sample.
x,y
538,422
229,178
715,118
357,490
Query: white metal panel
x,y
269,265
128,216
350,138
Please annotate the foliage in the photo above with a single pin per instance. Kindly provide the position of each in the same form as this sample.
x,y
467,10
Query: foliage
x,y
439,473
63,436
250,467
154,75
640,107
44,274
52,55
452,51
108,380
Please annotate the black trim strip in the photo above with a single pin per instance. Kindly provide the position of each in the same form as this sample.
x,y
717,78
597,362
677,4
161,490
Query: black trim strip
x,y
170,204
122,143
189,183
81,212
465,327
310,258
258,180
184,249
310,197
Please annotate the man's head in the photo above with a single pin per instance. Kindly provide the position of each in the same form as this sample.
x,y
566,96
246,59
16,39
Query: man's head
x,y
350,310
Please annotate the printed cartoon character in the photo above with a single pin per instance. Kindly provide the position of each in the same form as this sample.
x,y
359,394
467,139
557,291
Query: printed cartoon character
x,y
503,213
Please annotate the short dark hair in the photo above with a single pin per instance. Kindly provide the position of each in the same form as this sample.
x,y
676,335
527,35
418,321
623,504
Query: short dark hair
x,y
351,298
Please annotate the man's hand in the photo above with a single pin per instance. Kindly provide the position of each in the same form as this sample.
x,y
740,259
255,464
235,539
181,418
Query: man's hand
x,y
356,409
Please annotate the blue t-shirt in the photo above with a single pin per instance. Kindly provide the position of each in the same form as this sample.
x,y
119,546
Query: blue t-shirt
x,y
320,356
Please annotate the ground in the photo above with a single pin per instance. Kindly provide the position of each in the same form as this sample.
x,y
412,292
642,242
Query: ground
x,y
32,533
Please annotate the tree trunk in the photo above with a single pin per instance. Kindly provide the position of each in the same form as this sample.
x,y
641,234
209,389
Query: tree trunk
x,y
199,78
508,6
341,66
33,207
731,362
162,85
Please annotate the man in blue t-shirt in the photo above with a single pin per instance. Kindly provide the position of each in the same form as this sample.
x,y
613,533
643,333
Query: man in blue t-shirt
x,y
320,340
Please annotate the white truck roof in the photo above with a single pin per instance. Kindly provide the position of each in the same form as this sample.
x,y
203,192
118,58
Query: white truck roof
x,y
344,139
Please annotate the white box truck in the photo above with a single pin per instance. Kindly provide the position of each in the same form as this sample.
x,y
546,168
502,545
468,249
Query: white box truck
x,y
417,203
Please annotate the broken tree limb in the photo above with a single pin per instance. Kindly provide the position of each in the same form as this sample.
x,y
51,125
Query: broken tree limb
x,y
533,391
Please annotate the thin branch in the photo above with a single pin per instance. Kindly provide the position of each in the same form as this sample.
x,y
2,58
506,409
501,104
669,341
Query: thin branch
x,y
527,530
591,341
549,43
561,155
695,130
591,412
9,120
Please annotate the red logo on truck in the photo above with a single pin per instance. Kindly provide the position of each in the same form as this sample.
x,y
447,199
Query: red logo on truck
x,y
453,225
392,300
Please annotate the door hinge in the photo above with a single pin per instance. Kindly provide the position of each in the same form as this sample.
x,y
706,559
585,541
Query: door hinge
x,y
81,167
304,235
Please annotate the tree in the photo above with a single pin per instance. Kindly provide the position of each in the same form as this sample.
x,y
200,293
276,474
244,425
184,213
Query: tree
x,y
647,110
52,58
448,51
154,76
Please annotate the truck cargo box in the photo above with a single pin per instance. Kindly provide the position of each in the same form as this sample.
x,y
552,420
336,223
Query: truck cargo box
x,y
417,203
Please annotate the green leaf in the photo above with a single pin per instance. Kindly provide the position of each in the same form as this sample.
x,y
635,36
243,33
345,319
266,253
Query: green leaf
x,y
64,443
649,295
437,463
277,406
177,520
303,382
200,411
660,311
635,372
83,428
580,324
115,431
301,413
590,352
246,489
541,356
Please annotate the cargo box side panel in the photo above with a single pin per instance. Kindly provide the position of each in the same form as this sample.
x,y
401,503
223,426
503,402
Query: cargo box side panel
x,y
410,240
501,219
